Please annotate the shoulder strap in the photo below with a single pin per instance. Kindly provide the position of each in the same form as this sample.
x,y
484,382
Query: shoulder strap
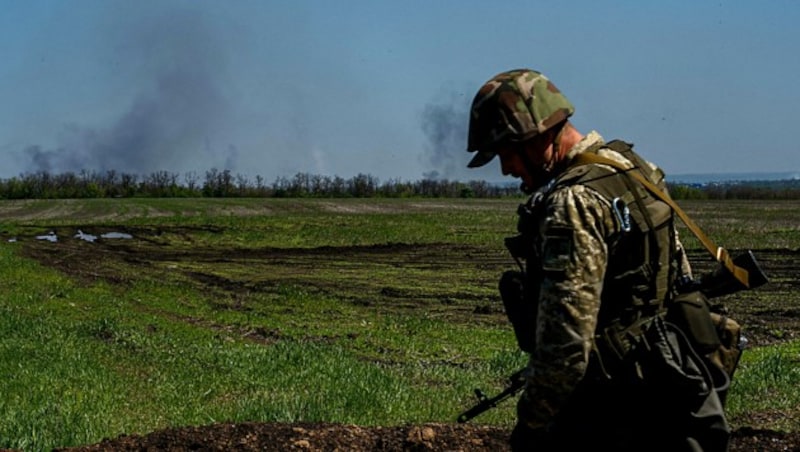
x,y
719,253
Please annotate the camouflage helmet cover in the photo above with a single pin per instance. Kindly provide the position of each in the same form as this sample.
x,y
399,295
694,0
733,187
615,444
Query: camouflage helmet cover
x,y
513,106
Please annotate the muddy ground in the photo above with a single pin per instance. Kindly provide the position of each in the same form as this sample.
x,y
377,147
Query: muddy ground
x,y
769,314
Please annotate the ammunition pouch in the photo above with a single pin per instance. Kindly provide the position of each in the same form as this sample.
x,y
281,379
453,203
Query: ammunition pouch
x,y
521,312
691,313
709,330
731,343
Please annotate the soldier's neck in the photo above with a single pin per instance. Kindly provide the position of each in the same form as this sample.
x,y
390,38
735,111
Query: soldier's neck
x,y
570,136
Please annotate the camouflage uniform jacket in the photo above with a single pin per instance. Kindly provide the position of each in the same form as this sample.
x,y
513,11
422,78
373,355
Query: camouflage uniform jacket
x,y
576,232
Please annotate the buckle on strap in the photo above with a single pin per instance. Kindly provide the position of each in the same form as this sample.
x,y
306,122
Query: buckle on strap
x,y
621,340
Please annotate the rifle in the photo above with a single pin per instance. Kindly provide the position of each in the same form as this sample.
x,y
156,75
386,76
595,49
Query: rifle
x,y
516,383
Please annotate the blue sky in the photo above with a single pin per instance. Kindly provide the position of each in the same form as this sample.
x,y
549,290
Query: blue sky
x,y
273,88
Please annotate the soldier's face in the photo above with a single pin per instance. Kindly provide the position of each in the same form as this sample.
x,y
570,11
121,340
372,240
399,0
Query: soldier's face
x,y
511,163
530,160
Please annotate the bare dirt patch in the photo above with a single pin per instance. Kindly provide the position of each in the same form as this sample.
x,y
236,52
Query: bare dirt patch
x,y
335,437
769,314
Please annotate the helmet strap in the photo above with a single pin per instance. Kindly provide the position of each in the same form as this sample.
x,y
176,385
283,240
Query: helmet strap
x,y
531,169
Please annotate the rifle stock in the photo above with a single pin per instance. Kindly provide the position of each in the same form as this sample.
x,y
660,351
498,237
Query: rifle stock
x,y
721,281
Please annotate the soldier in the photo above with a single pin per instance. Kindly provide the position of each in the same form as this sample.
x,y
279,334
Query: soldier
x,y
601,258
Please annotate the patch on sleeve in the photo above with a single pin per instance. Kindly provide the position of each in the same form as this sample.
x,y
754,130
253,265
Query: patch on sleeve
x,y
557,249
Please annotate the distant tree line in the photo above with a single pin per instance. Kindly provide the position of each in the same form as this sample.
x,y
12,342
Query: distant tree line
x,y
777,189
223,183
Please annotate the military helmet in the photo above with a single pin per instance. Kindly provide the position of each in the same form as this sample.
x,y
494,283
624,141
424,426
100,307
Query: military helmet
x,y
513,106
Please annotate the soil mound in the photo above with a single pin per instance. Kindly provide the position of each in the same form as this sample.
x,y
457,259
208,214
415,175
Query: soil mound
x,y
336,437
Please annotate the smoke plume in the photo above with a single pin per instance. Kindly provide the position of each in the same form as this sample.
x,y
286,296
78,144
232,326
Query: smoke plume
x,y
176,103
445,127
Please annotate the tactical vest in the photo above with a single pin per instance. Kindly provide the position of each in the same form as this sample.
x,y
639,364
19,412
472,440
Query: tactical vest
x,y
641,267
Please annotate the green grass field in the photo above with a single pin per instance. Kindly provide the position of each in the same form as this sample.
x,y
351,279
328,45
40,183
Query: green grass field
x,y
372,312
